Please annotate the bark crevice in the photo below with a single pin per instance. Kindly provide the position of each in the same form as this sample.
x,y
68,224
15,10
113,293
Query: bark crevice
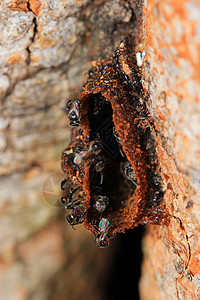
x,y
35,26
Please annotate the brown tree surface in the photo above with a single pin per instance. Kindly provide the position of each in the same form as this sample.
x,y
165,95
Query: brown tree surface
x,y
45,49
171,265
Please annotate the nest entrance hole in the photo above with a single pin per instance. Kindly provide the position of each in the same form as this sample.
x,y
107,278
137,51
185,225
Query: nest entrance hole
x,y
115,185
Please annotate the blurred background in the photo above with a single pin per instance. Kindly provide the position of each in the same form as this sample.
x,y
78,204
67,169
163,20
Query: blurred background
x,y
46,49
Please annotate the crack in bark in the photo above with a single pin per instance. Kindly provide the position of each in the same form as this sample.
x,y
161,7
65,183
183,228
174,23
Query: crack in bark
x,y
188,244
30,74
35,25
29,7
13,84
62,67
81,15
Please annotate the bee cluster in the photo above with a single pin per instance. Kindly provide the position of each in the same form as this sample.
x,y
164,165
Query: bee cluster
x,y
90,155
114,180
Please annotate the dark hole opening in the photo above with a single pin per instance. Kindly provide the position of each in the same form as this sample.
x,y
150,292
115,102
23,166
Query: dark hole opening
x,y
101,126
125,271
123,276
114,184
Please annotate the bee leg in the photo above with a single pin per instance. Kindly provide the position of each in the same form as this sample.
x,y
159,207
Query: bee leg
x,y
101,178
121,151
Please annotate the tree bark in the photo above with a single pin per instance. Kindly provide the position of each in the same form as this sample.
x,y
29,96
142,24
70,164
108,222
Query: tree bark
x,y
171,262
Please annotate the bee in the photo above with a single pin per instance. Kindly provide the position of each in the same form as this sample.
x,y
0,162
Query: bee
x,y
92,156
99,164
70,203
116,135
67,200
72,109
101,203
128,172
62,184
89,154
102,238
77,216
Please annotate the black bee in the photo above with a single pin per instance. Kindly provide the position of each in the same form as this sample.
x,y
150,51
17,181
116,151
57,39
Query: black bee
x,y
87,155
72,109
68,200
77,216
128,172
101,203
92,156
103,237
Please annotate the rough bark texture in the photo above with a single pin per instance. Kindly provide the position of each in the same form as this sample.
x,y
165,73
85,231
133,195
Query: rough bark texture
x,y
171,265
46,46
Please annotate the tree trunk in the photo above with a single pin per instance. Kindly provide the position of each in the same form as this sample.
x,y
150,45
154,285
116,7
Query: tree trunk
x,y
46,48
171,264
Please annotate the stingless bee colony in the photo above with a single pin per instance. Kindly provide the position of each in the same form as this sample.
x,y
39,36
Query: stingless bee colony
x,y
112,180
